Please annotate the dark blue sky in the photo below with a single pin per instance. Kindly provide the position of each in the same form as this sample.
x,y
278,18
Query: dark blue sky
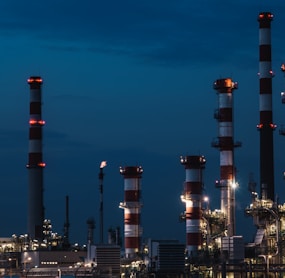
x,y
130,82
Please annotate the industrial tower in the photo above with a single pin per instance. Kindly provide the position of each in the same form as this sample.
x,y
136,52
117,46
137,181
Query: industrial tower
x,y
266,126
226,145
132,209
282,130
268,215
192,196
35,164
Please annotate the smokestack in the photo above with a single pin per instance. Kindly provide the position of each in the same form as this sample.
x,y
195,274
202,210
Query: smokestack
x,y
282,129
192,197
66,243
101,177
114,236
132,209
35,164
226,144
266,126
91,226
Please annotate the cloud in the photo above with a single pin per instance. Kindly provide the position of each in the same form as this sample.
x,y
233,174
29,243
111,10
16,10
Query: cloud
x,y
167,33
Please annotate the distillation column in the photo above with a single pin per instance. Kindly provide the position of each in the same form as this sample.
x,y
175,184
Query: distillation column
x,y
266,126
35,164
226,145
132,209
192,197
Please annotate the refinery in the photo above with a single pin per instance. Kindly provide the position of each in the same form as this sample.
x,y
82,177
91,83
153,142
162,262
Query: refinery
x,y
212,247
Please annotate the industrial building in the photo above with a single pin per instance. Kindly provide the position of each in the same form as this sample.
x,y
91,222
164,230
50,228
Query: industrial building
x,y
165,257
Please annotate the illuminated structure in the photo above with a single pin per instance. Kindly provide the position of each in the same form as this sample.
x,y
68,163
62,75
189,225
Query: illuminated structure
x,y
132,209
192,196
268,215
225,143
266,126
35,164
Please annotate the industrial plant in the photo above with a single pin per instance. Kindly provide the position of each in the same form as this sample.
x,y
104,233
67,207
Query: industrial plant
x,y
212,248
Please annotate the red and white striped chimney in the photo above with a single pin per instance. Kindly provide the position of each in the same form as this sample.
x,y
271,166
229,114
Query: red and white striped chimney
x,y
266,126
35,164
132,209
192,197
226,145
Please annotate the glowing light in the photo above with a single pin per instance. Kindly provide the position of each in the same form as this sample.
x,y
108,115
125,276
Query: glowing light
x,y
103,164
182,160
202,159
234,185
41,164
283,67
183,199
37,122
273,126
34,80
41,122
268,15
33,122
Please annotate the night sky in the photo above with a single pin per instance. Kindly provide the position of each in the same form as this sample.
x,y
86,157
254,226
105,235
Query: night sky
x,y
131,82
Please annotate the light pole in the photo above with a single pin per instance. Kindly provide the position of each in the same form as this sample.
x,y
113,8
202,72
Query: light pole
x,y
101,177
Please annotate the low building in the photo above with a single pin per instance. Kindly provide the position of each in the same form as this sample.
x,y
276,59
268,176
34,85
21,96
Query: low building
x,y
166,256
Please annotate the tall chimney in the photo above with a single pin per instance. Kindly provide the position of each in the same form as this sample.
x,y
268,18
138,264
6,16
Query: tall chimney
x,y
132,209
66,243
192,197
226,145
35,164
266,126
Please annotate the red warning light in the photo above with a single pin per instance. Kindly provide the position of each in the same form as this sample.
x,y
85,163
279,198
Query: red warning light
x,y
35,79
265,15
41,164
273,126
37,122
41,122
32,122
